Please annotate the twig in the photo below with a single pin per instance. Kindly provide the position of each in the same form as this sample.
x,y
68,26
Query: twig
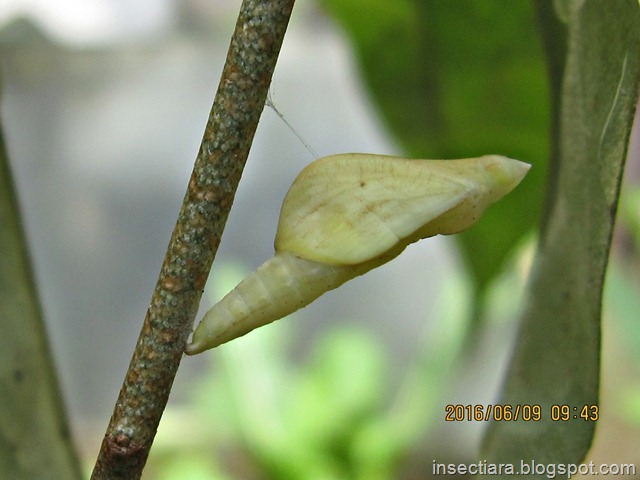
x,y
225,146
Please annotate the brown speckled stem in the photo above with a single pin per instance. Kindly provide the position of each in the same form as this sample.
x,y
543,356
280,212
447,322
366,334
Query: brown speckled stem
x,y
225,146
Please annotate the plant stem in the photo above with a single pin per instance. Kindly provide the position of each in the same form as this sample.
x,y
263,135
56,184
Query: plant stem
x,y
223,152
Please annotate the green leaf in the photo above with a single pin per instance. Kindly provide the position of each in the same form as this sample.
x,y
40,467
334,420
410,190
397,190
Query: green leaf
x,y
460,79
34,435
556,360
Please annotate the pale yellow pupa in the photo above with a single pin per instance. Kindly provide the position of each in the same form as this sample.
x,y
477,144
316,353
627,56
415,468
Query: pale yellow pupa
x,y
347,214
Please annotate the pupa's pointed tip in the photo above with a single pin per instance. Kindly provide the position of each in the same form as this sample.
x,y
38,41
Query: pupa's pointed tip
x,y
507,172
519,165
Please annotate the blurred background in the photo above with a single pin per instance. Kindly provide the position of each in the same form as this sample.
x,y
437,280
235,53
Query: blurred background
x,y
104,103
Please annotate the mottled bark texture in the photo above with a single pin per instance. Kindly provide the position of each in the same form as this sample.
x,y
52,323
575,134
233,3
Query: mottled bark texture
x,y
225,146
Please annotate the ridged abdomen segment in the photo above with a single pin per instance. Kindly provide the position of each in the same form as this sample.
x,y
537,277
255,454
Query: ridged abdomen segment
x,y
279,287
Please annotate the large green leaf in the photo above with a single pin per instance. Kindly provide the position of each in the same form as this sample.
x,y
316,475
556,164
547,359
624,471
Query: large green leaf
x,y
556,360
457,79
35,442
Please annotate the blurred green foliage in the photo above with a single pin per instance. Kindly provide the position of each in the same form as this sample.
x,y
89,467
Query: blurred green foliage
x,y
556,359
337,413
334,414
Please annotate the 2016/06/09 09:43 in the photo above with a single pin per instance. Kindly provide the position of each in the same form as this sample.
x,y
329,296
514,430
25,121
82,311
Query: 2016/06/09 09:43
x,y
507,413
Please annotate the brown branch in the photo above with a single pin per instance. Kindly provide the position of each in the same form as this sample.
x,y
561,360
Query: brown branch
x,y
225,146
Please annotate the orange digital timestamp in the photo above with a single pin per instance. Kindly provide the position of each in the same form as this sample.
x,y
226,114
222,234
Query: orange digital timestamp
x,y
564,413
497,413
